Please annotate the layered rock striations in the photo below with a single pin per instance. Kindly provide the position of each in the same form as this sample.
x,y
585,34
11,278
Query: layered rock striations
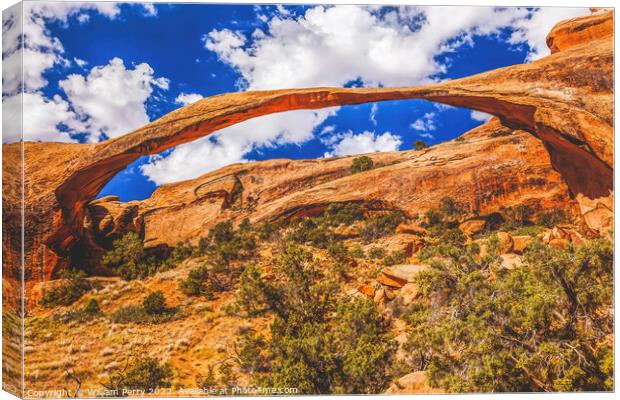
x,y
489,168
565,100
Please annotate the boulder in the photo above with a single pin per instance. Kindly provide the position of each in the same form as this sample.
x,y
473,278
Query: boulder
x,y
559,233
505,242
402,242
520,243
408,293
559,243
473,226
509,261
399,275
412,229
367,289
391,281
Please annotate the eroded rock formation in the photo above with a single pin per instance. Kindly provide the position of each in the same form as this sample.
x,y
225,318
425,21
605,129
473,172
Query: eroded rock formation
x,y
565,100
489,168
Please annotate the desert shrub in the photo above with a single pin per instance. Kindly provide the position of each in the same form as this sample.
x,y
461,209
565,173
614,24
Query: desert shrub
x,y
419,145
196,283
376,253
155,303
87,313
552,218
433,218
343,213
450,207
380,225
73,286
318,343
144,373
361,164
180,253
224,245
128,249
338,251
459,139
311,231
395,257
129,260
529,230
540,326
516,217
356,251
153,310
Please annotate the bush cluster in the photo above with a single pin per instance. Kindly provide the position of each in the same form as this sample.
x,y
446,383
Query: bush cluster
x,y
540,326
319,342
72,287
361,164
87,313
197,283
145,373
153,310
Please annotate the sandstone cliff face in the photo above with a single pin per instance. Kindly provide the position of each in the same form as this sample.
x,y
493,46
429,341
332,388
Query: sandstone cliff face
x,y
565,100
492,167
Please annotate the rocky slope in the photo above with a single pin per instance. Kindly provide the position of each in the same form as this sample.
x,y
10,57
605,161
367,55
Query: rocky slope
x,y
565,100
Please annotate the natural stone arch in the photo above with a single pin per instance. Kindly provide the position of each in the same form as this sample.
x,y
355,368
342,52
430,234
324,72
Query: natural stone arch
x,y
564,99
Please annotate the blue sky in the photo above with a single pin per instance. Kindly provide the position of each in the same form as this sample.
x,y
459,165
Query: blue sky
x,y
100,70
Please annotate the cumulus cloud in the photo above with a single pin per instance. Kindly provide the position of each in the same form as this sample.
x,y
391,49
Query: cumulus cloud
x,y
45,118
365,142
426,123
112,97
187,98
534,29
104,102
230,145
335,45
480,116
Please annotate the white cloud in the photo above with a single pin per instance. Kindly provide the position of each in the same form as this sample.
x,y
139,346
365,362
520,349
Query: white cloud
x,y
373,113
534,30
41,52
365,142
426,123
187,98
230,145
45,118
335,45
112,97
480,116
426,135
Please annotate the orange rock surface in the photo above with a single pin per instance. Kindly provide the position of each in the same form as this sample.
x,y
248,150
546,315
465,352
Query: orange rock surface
x,y
564,100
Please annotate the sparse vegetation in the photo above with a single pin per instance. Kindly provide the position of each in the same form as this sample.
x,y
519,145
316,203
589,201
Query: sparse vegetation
x,y
536,327
72,287
419,145
311,347
153,310
379,225
144,373
361,164
224,246
197,283
84,314
552,218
